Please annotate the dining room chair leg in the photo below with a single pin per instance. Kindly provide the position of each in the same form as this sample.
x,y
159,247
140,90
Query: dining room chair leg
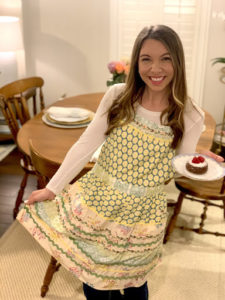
x,y
173,219
19,198
223,208
52,268
203,217
222,191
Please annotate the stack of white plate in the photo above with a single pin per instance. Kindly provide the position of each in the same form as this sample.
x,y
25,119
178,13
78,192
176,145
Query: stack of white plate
x,y
67,117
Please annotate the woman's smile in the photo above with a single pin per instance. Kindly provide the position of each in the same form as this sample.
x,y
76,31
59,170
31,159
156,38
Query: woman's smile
x,y
156,80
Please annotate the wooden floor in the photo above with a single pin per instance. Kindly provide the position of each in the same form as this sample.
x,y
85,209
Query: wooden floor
x,y
10,178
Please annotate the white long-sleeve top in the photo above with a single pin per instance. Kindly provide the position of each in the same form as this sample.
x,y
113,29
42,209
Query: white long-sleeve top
x,y
94,135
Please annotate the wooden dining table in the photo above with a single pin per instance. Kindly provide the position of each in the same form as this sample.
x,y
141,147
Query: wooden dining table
x,y
53,143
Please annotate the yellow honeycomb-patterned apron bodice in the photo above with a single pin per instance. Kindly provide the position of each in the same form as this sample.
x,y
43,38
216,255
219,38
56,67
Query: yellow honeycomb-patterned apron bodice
x,y
126,182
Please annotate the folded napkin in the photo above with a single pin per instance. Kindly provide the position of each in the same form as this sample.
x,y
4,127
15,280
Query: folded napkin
x,y
68,112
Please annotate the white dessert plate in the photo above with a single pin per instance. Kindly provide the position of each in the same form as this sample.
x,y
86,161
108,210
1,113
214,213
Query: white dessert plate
x,y
215,170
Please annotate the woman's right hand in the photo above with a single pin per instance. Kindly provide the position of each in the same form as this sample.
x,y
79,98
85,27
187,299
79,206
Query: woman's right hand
x,y
40,195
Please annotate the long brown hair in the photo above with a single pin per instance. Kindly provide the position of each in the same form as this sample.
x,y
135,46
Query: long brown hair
x,y
122,110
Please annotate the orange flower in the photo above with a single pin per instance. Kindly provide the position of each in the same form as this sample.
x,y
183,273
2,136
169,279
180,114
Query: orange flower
x,y
119,67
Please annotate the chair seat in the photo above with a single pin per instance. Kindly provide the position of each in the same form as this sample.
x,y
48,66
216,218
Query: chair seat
x,y
5,132
201,189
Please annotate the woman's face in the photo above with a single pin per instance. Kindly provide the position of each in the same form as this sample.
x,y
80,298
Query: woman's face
x,y
155,66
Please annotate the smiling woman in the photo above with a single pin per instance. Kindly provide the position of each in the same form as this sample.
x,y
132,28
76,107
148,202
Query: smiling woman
x,y
107,228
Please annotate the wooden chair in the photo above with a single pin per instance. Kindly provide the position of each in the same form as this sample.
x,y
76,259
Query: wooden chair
x,y
44,169
203,192
26,88
14,99
31,92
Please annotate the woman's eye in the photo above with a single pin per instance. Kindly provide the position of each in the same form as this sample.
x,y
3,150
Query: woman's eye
x,y
145,59
166,58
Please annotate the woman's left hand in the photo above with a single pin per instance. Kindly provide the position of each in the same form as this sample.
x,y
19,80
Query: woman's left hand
x,y
212,155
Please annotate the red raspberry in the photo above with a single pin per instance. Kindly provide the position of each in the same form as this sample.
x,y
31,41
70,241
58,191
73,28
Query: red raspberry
x,y
201,159
195,160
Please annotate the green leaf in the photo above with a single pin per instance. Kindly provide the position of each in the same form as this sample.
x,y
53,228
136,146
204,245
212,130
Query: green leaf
x,y
109,82
218,60
117,78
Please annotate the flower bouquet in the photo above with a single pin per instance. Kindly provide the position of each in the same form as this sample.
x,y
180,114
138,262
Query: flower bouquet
x,y
119,71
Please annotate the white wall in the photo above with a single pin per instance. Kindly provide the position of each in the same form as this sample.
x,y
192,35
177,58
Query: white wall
x,y
67,43
214,90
